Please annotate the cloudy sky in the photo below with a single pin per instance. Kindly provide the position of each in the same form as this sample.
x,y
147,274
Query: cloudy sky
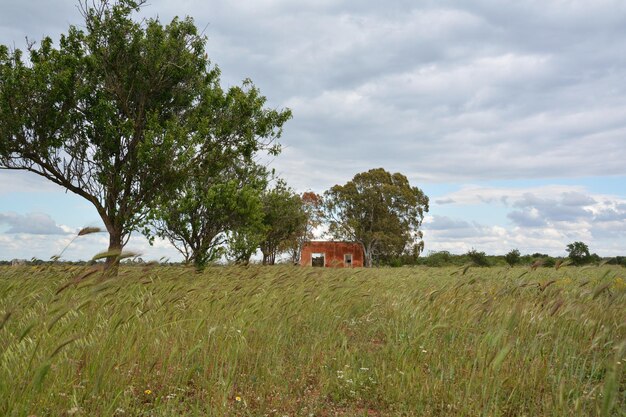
x,y
510,115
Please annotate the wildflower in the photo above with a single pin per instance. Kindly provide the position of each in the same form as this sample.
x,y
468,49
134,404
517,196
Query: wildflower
x,y
238,399
147,392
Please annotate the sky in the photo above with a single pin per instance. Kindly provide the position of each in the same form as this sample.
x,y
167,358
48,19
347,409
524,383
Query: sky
x,y
509,114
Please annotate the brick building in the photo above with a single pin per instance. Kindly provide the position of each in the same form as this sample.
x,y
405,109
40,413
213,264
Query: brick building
x,y
332,254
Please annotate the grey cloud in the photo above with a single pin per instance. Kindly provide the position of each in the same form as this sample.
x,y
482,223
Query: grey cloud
x,y
576,199
526,219
446,228
566,213
617,214
531,200
536,211
610,229
444,223
31,223
445,201
444,90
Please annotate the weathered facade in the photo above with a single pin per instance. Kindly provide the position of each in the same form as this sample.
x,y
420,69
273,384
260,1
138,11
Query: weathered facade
x,y
332,254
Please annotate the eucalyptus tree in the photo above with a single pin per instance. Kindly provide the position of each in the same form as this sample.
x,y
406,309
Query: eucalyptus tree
x,y
377,209
115,111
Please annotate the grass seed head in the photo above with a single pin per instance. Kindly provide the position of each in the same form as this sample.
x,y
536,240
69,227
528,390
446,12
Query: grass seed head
x,y
89,230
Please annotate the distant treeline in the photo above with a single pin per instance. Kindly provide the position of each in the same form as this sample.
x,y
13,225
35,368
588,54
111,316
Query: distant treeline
x,y
445,258
433,259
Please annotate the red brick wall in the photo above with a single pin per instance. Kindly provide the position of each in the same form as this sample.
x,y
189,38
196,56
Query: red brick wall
x,y
333,252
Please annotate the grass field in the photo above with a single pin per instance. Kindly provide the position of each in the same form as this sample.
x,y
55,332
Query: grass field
x,y
293,341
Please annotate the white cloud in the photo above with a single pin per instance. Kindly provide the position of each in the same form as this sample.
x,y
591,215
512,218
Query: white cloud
x,y
545,217
27,246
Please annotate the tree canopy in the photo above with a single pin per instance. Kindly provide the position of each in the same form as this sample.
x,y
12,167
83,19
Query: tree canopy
x,y
377,209
198,217
578,253
284,218
312,211
117,110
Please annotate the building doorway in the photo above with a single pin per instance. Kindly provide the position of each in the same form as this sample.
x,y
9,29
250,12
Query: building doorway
x,y
318,259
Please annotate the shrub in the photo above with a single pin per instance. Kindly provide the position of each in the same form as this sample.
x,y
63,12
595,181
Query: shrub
x,y
479,258
438,258
513,257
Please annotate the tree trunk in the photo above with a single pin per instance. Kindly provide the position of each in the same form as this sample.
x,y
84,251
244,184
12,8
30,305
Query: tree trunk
x,y
367,255
269,258
115,248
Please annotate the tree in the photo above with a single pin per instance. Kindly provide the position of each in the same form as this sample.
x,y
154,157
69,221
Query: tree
x,y
578,253
512,257
283,219
312,208
197,218
113,112
223,184
244,242
377,209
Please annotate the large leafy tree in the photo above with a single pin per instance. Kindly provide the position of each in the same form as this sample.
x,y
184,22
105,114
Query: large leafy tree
x,y
377,209
222,187
113,112
198,218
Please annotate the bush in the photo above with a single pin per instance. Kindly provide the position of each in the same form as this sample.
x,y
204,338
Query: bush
x,y
479,258
513,257
442,258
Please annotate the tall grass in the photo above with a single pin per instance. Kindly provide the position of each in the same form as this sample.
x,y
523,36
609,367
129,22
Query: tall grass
x,y
301,341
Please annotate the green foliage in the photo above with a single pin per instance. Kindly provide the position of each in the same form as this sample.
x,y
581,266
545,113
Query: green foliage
x,y
312,210
220,194
284,218
441,258
578,253
512,257
379,210
115,112
244,242
478,258
617,260
198,217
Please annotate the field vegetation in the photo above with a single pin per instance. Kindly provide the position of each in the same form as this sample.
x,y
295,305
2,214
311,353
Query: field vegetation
x,y
275,341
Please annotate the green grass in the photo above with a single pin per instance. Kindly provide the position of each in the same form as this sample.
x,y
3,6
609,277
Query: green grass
x,y
300,341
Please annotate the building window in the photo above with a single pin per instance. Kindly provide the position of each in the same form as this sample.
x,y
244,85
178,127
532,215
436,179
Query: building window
x,y
347,259
318,259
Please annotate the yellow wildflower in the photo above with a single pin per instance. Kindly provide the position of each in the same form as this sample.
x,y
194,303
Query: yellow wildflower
x,y
147,392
